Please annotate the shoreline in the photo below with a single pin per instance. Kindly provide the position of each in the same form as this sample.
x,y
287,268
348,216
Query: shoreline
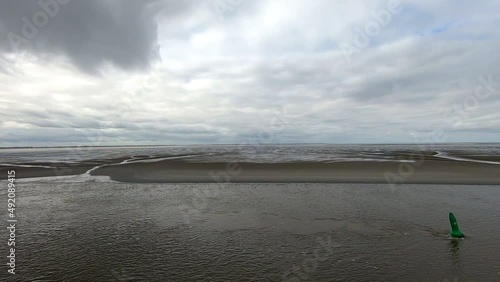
x,y
430,171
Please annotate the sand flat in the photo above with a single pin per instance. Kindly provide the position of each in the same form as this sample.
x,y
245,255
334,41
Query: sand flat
x,y
443,172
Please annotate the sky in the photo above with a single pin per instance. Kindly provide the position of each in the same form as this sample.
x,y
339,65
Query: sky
x,y
111,72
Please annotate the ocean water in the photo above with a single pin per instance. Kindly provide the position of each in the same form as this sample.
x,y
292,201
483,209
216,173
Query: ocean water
x,y
94,231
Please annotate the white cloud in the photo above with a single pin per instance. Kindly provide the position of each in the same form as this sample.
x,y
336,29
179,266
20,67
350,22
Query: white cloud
x,y
222,81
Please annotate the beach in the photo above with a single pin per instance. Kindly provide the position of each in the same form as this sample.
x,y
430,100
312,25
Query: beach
x,y
430,172
294,164
261,213
444,172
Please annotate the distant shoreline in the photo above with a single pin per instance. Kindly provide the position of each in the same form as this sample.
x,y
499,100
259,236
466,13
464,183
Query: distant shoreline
x,y
239,144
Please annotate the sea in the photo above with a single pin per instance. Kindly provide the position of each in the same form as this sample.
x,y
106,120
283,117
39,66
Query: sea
x,y
91,229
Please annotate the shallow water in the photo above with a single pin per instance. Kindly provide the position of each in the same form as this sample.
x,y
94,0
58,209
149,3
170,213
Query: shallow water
x,y
278,153
97,231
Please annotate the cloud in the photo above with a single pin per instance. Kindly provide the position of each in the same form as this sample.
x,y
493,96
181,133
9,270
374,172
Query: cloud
x,y
90,33
271,69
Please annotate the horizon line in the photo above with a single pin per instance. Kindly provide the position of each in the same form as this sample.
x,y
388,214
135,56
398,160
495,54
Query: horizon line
x,y
238,144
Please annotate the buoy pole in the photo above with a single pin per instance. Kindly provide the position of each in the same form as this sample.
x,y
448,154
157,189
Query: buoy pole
x,y
455,231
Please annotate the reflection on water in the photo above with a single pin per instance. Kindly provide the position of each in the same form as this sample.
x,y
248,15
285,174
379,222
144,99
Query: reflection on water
x,y
131,232
455,250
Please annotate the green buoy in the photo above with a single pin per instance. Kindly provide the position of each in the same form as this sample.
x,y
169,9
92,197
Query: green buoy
x,y
455,231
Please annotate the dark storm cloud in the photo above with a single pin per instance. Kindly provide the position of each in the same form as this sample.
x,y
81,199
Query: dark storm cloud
x,y
89,32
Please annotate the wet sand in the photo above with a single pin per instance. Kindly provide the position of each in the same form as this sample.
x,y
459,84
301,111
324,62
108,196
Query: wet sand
x,y
439,172
429,171
445,164
30,172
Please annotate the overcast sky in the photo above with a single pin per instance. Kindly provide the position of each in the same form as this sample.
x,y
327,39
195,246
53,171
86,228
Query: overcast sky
x,y
109,72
